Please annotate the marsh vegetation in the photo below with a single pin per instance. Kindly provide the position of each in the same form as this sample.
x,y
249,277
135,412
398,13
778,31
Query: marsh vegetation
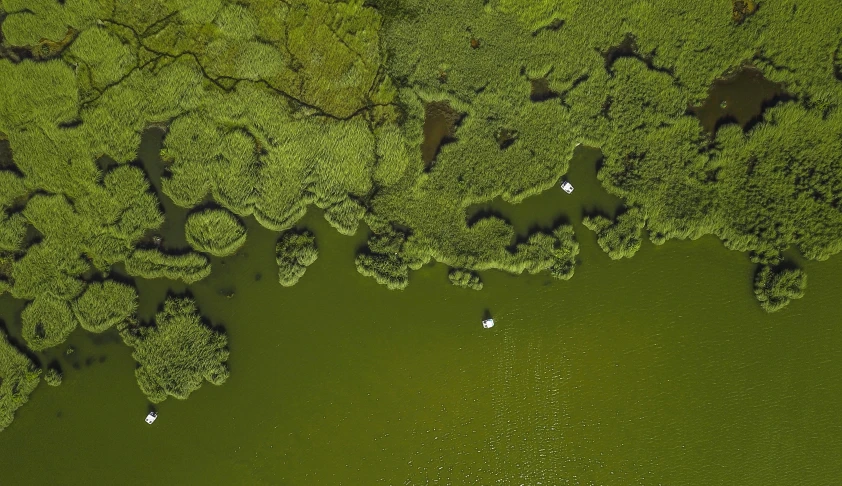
x,y
177,353
403,115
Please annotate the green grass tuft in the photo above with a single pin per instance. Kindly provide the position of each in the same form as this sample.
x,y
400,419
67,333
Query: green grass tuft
x,y
18,378
215,231
151,263
105,305
47,322
774,288
465,279
178,353
295,251
53,377
621,238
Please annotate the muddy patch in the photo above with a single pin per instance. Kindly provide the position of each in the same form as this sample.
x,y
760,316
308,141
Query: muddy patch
x,y
740,98
440,123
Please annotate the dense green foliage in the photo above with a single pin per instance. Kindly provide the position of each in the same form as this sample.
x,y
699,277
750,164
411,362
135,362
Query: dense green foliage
x,y
152,263
105,305
271,107
18,378
619,238
53,377
215,231
295,251
47,322
465,279
178,353
774,288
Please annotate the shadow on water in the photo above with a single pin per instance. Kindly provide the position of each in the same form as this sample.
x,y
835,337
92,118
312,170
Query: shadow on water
x,y
170,235
36,360
553,207
628,49
6,161
540,90
740,98
440,123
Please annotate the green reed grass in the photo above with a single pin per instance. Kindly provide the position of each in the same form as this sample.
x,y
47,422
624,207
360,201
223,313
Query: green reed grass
x,y
18,379
295,251
215,231
104,305
47,322
178,353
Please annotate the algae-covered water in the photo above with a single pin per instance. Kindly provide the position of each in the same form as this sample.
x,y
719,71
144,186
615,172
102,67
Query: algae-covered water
x,y
661,369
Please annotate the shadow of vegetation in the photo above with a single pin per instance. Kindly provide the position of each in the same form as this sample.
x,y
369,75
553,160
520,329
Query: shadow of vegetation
x,y
17,344
628,49
476,213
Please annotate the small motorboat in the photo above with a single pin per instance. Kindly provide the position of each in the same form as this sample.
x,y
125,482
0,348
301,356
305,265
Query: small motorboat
x,y
151,417
567,187
488,323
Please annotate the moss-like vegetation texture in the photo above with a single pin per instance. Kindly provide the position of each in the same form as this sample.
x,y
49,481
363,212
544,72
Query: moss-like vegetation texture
x,y
18,378
274,106
774,288
178,353
465,279
215,231
295,251
53,377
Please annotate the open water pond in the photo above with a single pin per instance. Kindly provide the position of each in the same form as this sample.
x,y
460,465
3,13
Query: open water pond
x,y
661,369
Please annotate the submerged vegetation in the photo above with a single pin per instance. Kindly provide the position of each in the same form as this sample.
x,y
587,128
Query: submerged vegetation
x,y
402,115
178,353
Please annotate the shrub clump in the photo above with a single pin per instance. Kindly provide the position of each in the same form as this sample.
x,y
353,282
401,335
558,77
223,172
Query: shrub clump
x,y
53,377
151,263
387,269
18,378
47,322
104,305
178,353
294,252
775,288
215,231
621,238
465,279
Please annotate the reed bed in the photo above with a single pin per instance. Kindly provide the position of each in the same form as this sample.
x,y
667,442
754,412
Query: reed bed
x,y
295,251
178,353
215,231
18,379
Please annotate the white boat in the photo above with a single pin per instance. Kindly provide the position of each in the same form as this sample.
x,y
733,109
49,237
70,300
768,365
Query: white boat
x,y
488,323
151,417
568,187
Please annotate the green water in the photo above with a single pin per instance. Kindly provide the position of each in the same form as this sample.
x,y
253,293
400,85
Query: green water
x,y
661,369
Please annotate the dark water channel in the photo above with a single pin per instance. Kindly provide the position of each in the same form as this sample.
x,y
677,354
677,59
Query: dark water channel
x,y
440,122
740,98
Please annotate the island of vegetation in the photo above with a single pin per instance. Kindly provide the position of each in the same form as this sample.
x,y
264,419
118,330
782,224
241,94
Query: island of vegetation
x,y
178,353
397,115
295,251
